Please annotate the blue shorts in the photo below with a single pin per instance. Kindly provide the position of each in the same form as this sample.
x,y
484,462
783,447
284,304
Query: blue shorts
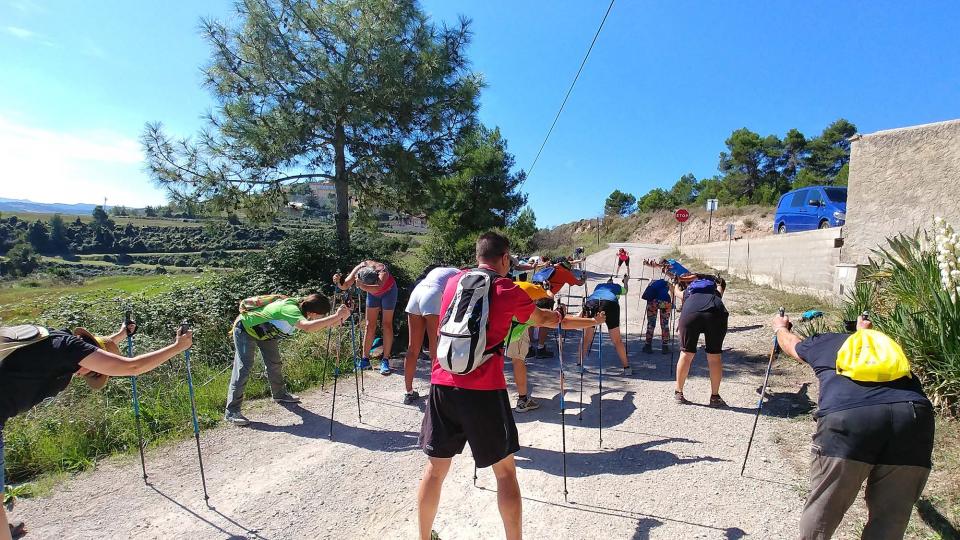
x,y
387,302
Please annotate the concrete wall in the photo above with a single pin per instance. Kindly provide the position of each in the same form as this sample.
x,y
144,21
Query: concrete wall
x,y
899,180
803,262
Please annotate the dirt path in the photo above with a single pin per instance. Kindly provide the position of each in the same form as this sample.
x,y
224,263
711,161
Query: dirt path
x,y
662,470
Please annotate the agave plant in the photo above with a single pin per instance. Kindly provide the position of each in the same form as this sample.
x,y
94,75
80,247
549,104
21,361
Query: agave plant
x,y
910,288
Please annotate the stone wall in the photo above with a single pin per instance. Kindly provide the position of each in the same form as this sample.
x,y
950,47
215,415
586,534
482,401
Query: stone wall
x,y
899,180
803,262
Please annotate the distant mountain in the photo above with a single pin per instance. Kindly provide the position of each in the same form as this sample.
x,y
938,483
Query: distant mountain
x,y
23,205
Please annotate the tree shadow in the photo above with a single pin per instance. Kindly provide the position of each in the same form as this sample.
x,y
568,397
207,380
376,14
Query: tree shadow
x,y
633,459
315,426
644,526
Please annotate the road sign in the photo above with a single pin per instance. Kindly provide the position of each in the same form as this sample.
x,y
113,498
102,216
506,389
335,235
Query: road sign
x,y
682,215
712,204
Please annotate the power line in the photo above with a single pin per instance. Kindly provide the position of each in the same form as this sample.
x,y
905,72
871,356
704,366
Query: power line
x,y
569,91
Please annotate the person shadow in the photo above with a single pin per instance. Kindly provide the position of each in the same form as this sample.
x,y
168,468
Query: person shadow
x,y
316,426
634,459
615,411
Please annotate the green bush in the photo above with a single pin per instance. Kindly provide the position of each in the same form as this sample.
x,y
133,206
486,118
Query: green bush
x,y
70,432
913,300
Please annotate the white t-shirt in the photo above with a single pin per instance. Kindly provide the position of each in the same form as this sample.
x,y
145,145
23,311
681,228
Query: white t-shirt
x,y
438,277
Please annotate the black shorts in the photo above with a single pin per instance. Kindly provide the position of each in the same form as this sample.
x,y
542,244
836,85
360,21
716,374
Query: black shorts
x,y
713,326
545,303
623,261
611,308
887,434
456,416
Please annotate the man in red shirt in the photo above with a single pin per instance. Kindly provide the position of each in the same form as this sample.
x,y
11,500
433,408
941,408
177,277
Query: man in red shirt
x,y
475,407
562,275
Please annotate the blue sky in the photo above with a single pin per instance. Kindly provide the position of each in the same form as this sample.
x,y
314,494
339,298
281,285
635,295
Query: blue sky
x,y
666,84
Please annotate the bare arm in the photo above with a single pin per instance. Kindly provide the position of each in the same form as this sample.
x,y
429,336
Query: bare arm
x,y
544,317
786,339
343,312
106,363
572,322
122,333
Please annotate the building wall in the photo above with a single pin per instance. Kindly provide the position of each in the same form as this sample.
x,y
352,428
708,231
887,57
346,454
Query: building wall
x,y
803,262
899,180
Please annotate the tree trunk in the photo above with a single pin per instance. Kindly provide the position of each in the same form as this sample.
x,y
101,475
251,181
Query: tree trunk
x,y
342,188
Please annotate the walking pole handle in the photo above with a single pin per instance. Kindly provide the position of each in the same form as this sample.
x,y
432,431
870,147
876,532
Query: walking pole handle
x,y
776,344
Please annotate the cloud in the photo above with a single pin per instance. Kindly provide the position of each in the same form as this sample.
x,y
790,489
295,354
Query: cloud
x,y
21,33
46,165
28,35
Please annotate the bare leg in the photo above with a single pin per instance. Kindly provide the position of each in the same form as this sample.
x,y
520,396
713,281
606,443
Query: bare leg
x,y
587,342
508,497
683,368
433,327
715,362
387,329
520,375
618,345
428,495
415,324
542,338
4,526
370,330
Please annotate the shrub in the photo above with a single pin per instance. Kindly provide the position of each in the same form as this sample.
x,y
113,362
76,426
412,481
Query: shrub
x,y
912,296
749,223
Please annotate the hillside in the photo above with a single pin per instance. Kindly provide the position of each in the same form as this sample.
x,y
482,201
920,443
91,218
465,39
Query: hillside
x,y
656,228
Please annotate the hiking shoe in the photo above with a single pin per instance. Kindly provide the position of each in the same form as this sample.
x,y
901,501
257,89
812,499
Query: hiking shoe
x,y
717,402
384,367
647,348
236,419
678,397
410,397
528,404
531,353
626,371
665,349
287,397
363,363
544,353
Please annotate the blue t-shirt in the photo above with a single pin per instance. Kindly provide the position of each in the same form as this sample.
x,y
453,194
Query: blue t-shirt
x,y
606,291
658,289
838,393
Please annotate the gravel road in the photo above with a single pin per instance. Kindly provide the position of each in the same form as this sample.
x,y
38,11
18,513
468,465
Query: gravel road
x,y
661,471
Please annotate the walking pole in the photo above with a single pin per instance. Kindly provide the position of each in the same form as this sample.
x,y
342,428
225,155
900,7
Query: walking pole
x,y
356,380
600,401
363,339
563,422
763,390
326,358
583,346
336,377
185,327
626,318
127,321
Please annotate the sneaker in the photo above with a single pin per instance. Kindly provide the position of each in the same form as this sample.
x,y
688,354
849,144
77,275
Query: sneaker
x,y
544,353
528,404
410,397
287,397
236,419
531,353
678,397
717,402
626,371
384,367
647,348
665,349
364,363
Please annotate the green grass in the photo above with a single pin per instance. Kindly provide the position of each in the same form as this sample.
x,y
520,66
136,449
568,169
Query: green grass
x,y
28,297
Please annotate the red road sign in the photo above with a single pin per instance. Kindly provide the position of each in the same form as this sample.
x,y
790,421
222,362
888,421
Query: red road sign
x,y
682,215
